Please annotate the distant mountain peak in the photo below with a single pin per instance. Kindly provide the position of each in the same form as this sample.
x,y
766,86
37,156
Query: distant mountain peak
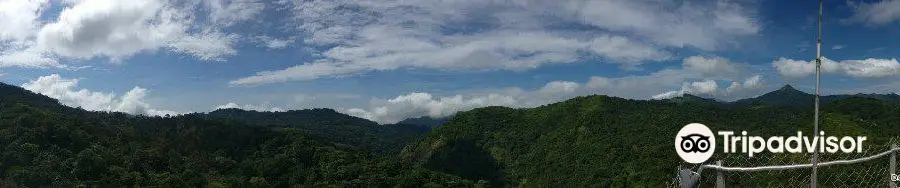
x,y
788,87
787,95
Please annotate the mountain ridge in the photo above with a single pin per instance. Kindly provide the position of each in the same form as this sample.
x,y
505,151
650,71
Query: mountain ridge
x,y
786,96
602,141
329,124
586,141
426,121
46,144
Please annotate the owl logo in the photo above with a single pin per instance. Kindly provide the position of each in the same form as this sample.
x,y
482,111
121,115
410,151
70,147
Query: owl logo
x,y
695,143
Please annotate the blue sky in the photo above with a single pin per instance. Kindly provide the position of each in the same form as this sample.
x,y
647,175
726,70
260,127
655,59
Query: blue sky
x,y
390,60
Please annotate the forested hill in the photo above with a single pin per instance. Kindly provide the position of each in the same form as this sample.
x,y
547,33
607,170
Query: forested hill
x,y
790,97
10,94
426,121
785,96
600,141
45,144
328,124
592,141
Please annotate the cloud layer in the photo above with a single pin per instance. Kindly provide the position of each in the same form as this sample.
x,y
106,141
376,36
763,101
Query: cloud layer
x,y
707,87
66,91
866,68
261,108
696,76
117,30
875,13
361,36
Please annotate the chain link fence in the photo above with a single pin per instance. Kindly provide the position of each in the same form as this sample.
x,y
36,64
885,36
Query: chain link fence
x,y
870,169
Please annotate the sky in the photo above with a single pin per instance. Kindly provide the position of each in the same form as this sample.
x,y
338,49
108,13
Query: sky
x,y
388,60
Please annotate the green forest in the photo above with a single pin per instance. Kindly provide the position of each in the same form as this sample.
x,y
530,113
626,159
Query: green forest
x,y
589,141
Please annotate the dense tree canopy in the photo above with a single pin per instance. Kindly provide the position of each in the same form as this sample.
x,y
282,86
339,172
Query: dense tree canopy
x,y
599,141
592,141
43,144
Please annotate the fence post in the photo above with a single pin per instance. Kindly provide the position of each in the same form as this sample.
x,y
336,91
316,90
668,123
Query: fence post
x,y
720,177
893,166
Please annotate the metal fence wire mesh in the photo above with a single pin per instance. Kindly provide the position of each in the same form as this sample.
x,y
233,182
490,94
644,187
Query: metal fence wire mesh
x,y
869,173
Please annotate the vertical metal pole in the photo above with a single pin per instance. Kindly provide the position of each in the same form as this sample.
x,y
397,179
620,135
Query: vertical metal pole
x,y
720,176
815,158
893,166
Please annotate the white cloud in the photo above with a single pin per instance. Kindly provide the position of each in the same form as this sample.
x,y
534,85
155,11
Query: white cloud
x,y
753,82
838,47
718,66
261,108
637,87
86,29
794,68
559,87
871,68
229,12
424,104
619,48
510,51
519,35
698,75
301,72
698,24
27,56
751,85
19,21
867,68
597,82
19,18
667,95
797,68
65,90
109,28
209,45
656,85
877,13
706,87
733,87
273,43
133,103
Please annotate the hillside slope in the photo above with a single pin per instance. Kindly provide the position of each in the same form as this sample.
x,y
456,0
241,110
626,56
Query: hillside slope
x,y
592,141
45,144
332,126
788,96
600,141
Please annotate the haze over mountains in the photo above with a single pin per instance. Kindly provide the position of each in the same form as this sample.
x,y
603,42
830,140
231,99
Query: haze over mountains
x,y
586,141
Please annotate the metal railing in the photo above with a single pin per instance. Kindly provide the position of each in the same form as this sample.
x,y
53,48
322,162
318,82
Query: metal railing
x,y
871,174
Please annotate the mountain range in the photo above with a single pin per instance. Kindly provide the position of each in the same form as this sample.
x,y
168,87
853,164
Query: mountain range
x,y
588,141
600,141
786,96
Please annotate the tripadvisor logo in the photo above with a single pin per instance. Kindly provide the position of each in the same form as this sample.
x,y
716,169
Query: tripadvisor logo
x,y
695,143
